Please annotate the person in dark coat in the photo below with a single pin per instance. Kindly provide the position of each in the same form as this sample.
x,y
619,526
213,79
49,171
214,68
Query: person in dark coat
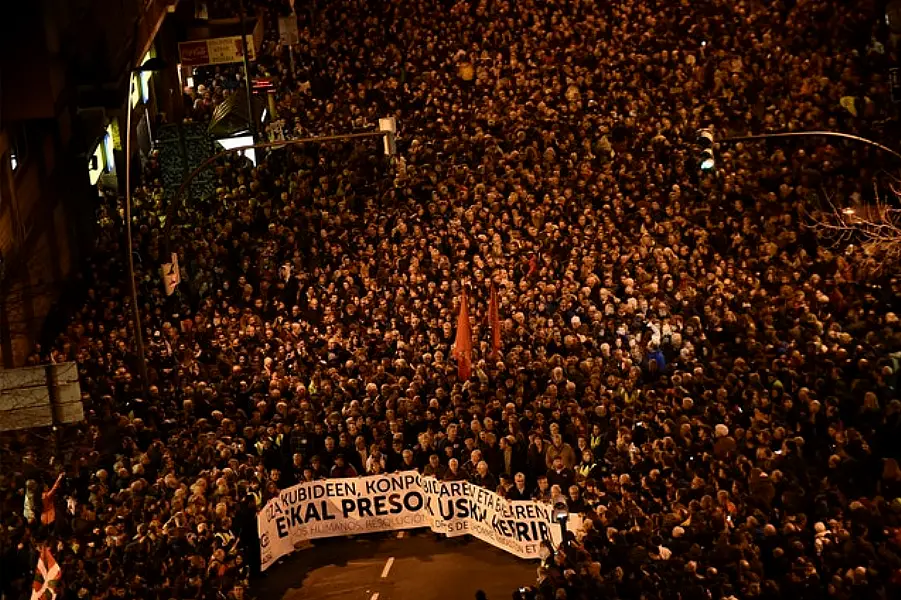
x,y
484,477
560,475
454,472
520,491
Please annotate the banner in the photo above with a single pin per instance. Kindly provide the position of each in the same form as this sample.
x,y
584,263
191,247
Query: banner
x,y
288,34
392,502
215,51
171,275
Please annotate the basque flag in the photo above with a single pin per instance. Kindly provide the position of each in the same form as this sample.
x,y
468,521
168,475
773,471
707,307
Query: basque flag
x,y
47,577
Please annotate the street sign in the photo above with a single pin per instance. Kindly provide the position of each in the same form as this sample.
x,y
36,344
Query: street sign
x,y
214,51
40,396
287,30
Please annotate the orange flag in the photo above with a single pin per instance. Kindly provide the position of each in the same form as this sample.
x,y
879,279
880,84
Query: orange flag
x,y
495,322
463,343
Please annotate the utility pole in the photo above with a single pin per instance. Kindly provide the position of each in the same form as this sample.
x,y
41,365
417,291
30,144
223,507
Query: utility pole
x,y
154,64
129,244
248,84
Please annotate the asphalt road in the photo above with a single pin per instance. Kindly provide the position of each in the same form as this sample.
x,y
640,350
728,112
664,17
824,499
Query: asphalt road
x,y
415,567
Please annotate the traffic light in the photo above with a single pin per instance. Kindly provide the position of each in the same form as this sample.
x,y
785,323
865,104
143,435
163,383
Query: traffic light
x,y
707,159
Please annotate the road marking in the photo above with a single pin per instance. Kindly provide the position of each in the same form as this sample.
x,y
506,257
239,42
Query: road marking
x,y
387,567
375,596
400,535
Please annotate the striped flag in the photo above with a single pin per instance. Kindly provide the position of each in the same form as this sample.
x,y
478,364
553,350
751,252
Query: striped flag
x,y
463,344
171,275
495,323
47,577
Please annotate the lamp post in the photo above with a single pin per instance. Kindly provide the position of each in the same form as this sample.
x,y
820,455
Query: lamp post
x,y
707,139
792,134
245,58
153,64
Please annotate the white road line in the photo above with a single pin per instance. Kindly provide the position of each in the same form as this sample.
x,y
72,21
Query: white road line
x,y
375,596
400,535
387,567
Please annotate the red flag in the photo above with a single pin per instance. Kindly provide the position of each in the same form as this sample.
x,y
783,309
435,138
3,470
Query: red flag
x,y
463,343
533,265
494,321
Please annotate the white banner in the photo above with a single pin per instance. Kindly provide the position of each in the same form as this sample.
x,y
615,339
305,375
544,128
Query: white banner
x,y
215,51
171,275
391,502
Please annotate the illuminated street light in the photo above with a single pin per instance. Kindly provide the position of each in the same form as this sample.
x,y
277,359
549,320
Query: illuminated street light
x,y
707,159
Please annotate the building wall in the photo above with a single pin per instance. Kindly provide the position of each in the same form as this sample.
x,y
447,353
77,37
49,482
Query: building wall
x,y
35,240
53,55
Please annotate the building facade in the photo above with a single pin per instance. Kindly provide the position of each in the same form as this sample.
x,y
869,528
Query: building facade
x,y
65,72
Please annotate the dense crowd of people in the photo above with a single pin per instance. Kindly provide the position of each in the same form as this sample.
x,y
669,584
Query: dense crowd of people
x,y
682,360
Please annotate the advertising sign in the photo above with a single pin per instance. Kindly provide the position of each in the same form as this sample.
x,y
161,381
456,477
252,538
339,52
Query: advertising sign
x,y
40,396
288,34
171,275
215,51
392,502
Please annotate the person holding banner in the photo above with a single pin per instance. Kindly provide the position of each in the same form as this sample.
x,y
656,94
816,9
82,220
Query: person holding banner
x,y
434,468
483,477
454,472
519,492
341,468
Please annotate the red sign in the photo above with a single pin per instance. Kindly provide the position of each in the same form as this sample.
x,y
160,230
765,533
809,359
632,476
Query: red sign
x,y
214,51
194,54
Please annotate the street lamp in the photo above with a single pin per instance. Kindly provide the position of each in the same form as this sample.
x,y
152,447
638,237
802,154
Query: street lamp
x,y
561,514
245,59
152,64
705,142
707,135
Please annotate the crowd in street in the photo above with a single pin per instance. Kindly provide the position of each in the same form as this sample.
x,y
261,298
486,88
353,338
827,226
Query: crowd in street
x,y
682,360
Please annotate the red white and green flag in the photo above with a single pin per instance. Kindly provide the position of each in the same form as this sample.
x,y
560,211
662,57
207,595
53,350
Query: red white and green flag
x,y
47,577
